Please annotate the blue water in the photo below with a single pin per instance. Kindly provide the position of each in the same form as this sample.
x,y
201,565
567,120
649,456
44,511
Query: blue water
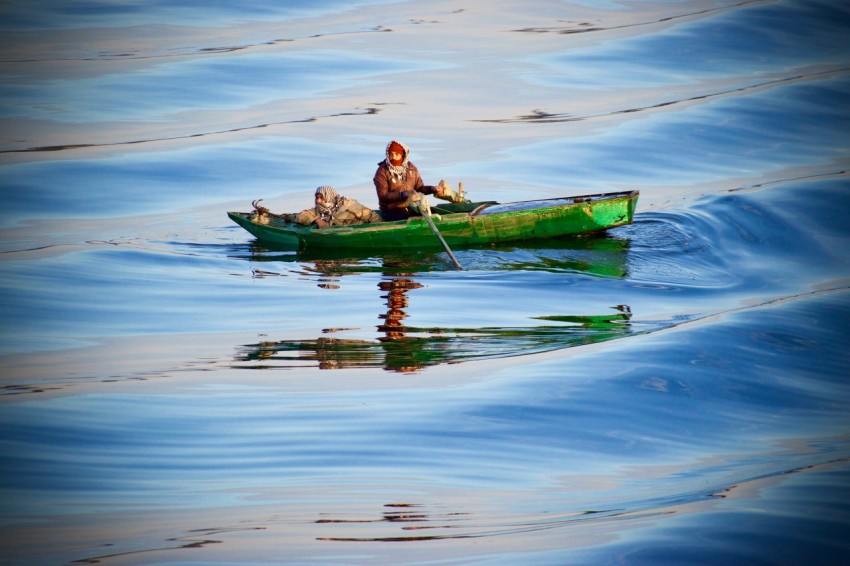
x,y
671,392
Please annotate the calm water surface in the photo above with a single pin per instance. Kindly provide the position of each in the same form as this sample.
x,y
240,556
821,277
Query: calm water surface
x,y
671,392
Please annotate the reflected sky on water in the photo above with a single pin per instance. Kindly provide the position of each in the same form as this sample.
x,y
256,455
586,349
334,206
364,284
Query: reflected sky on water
x,y
671,391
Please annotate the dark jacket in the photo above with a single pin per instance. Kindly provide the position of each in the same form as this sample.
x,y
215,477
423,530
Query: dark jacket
x,y
395,189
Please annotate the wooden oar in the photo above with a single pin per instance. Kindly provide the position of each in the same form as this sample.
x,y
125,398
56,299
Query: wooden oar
x,y
426,213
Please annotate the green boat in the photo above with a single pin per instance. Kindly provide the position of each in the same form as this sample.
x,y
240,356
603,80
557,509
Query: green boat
x,y
462,225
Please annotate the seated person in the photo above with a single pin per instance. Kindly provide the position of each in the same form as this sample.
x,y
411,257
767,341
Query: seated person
x,y
333,209
399,185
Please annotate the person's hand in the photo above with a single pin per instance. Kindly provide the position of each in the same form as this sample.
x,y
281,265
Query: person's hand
x,y
420,205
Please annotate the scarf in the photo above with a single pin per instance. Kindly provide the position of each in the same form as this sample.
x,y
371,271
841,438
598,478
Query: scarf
x,y
398,172
333,201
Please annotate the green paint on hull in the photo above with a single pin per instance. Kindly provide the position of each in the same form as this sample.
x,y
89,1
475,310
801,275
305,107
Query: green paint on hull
x,y
463,225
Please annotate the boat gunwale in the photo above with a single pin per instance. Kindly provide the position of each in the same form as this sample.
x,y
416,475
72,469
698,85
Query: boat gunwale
x,y
561,202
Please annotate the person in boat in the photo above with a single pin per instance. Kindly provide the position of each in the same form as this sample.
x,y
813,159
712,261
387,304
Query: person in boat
x,y
333,209
400,187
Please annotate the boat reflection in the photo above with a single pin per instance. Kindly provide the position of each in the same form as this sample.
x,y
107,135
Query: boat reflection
x,y
597,255
399,347
409,349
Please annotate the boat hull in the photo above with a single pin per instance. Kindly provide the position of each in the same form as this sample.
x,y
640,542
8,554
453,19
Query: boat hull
x,y
462,226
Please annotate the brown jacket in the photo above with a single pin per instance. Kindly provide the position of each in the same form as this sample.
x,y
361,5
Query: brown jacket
x,y
394,192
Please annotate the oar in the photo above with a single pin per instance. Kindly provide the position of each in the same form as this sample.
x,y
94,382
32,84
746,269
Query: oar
x,y
426,213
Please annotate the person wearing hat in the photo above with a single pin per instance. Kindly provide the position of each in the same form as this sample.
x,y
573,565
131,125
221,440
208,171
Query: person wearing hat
x,y
400,187
333,209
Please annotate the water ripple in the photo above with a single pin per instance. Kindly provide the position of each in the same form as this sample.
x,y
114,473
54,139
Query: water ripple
x,y
546,117
66,147
587,27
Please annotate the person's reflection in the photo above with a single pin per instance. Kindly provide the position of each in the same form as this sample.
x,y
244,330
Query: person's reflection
x,y
397,301
400,351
